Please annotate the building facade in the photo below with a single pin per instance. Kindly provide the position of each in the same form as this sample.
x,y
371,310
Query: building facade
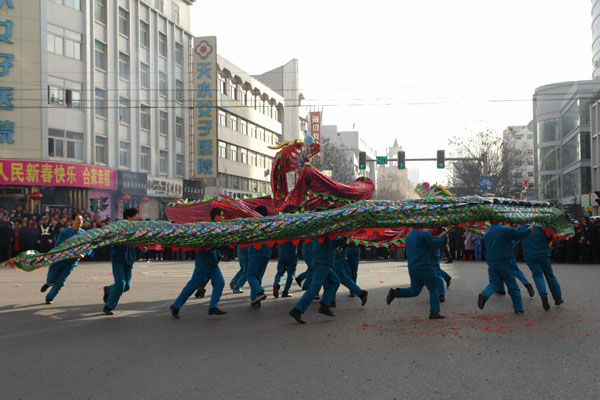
x,y
393,183
106,91
521,138
596,39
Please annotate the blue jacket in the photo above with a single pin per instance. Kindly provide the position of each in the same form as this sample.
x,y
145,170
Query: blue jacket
x,y
353,251
324,253
209,258
122,254
421,249
498,242
536,245
288,251
263,252
242,253
64,235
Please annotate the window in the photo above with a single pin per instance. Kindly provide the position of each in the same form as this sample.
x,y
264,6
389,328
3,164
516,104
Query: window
x,y
65,144
275,114
64,42
145,75
244,156
144,34
234,182
64,93
175,12
162,84
158,4
101,100
252,99
234,155
253,159
100,11
261,134
244,183
100,55
145,158
123,66
101,145
124,110
145,116
179,162
243,127
530,136
261,161
252,130
222,84
222,118
179,96
123,22
164,162
222,150
124,151
178,54
232,90
179,127
75,4
164,123
243,96
233,123
162,44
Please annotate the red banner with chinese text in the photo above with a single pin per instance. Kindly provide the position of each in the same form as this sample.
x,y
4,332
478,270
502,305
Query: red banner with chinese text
x,y
45,173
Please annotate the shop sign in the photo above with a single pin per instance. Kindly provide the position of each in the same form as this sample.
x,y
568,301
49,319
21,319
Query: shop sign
x,y
193,190
42,173
164,187
132,183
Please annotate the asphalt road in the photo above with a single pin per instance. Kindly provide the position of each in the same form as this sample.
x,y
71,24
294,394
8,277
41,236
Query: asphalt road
x,y
70,350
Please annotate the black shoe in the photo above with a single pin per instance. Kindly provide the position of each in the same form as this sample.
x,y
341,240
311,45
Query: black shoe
x,y
317,297
200,293
238,291
216,311
449,262
299,282
255,305
363,297
107,311
259,297
276,290
174,312
297,315
519,311
558,302
442,299
304,288
481,301
231,286
44,287
435,315
545,303
105,297
323,309
392,294
352,295
48,301
285,294
448,282
501,292
332,305
530,290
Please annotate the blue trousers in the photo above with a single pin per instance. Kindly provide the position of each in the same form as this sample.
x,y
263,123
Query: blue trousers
x,y
445,275
339,267
256,270
57,276
322,276
122,276
540,268
239,280
500,274
353,267
478,251
203,273
518,275
289,267
442,282
417,281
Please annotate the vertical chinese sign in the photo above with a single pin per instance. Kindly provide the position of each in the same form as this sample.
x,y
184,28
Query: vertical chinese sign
x,y
205,107
315,126
20,80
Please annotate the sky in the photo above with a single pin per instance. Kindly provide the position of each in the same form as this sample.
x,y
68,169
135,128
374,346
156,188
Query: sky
x,y
417,71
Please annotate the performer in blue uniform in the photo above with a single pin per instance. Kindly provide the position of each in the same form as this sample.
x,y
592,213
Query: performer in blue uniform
x,y
537,254
122,258
60,270
207,267
257,264
287,260
241,277
322,259
498,243
305,276
340,267
421,247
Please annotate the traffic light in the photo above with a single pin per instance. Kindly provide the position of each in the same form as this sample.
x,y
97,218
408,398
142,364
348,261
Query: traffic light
x,y
441,159
401,160
362,160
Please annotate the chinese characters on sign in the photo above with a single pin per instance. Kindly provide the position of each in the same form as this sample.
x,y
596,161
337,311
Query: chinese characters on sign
x,y
315,126
56,174
7,127
132,183
165,187
205,102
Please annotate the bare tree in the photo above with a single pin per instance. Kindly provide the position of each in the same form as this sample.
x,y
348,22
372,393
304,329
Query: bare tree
x,y
337,160
504,160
